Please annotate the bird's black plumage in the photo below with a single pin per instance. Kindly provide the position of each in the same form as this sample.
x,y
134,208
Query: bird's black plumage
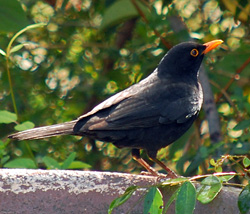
x,y
148,115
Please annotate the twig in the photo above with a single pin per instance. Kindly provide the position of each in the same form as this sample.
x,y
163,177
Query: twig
x,y
215,174
164,42
238,71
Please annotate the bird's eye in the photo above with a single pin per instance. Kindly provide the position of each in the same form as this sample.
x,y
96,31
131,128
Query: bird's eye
x,y
194,52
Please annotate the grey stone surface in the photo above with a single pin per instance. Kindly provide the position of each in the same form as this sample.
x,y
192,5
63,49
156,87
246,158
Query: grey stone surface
x,y
64,191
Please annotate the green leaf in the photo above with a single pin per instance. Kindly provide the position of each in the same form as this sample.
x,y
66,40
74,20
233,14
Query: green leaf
x,y
68,161
244,200
153,202
24,126
174,181
170,201
2,52
186,199
16,48
242,125
51,163
2,145
79,165
122,10
246,162
122,199
21,163
209,189
218,169
4,159
239,56
7,117
225,178
12,16
212,162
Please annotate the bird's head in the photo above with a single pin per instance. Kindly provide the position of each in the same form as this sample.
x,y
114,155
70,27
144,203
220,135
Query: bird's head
x,y
185,58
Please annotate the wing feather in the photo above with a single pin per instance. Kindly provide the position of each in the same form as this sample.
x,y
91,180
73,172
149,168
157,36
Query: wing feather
x,y
149,105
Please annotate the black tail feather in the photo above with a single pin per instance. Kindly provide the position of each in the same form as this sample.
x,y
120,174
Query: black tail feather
x,y
45,131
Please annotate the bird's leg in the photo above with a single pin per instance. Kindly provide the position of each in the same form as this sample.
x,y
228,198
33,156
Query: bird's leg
x,y
170,172
136,156
152,155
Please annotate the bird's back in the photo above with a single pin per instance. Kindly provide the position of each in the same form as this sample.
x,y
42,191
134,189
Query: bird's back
x,y
148,115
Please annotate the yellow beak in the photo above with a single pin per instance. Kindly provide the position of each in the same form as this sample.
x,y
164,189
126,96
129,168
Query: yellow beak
x,y
211,45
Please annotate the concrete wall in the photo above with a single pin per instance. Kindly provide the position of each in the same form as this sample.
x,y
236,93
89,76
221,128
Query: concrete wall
x,y
65,191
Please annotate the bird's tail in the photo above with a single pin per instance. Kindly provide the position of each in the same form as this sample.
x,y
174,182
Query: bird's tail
x,y
45,131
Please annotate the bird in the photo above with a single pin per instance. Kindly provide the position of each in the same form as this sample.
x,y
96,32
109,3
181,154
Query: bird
x,y
148,115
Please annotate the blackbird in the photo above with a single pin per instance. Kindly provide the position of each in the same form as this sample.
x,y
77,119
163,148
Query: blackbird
x,y
150,114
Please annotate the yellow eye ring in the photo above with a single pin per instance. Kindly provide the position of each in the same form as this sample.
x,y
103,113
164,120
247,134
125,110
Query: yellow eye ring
x,y
194,52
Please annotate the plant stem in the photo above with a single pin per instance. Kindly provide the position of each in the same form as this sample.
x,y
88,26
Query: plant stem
x,y
8,52
11,86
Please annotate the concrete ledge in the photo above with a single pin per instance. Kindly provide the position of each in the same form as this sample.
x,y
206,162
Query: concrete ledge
x,y
64,191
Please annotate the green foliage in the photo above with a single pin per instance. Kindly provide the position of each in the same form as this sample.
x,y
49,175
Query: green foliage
x,y
153,202
122,10
185,194
246,162
122,199
69,163
12,16
25,125
51,163
76,55
7,117
244,200
21,163
186,199
242,125
208,190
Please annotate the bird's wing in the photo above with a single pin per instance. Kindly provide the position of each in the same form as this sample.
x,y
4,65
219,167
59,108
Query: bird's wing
x,y
174,103
124,110
123,95
147,108
128,113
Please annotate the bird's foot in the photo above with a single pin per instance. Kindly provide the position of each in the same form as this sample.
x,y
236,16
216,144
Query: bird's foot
x,y
160,176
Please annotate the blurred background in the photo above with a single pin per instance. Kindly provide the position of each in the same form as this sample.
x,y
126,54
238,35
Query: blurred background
x,y
88,50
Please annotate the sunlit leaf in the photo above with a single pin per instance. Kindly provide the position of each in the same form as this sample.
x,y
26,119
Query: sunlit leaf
x,y
21,163
24,126
218,169
212,162
7,117
209,189
2,52
79,165
16,48
246,162
153,202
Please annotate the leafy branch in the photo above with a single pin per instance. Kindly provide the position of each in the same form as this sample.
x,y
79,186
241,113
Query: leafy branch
x,y
9,51
191,189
